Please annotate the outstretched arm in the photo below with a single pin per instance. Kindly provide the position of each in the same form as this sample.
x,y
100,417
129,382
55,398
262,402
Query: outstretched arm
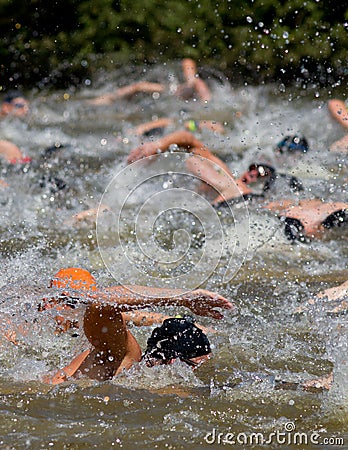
x,y
215,175
127,91
183,139
200,301
148,126
145,318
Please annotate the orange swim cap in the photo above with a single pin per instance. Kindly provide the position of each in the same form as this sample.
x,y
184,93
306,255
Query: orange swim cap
x,y
74,278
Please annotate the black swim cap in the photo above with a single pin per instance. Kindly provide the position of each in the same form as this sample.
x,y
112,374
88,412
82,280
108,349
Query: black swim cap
x,y
11,95
49,152
336,219
293,144
177,338
263,170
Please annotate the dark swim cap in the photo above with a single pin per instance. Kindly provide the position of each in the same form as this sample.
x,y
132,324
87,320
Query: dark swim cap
x,y
293,144
177,338
12,94
263,170
52,151
336,219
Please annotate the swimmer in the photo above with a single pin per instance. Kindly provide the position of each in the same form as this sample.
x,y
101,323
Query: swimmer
x,y
291,145
193,86
105,318
268,174
156,128
15,104
309,219
113,348
217,175
339,112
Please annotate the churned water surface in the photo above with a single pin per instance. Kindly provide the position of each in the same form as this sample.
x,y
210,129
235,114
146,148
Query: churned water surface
x,y
259,347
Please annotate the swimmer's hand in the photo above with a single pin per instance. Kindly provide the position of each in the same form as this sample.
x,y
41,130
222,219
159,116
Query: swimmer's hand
x,y
142,151
203,303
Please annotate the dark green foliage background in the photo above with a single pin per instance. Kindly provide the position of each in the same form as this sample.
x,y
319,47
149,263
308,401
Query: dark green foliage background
x,y
62,42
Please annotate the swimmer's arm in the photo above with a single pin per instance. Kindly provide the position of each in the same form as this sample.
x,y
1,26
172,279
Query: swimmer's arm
x,y
340,146
335,293
182,138
89,215
202,90
127,91
338,110
148,126
132,356
140,86
68,371
200,301
218,176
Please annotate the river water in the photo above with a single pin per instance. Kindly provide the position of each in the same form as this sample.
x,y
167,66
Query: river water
x,y
255,347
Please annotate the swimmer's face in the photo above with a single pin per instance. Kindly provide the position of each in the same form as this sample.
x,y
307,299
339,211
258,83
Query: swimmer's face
x,y
251,176
18,107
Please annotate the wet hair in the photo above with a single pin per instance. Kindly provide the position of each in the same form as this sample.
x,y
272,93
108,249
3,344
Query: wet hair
x,y
177,338
292,144
11,95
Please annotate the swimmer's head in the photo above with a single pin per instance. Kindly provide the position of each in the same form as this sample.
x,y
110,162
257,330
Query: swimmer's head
x,y
53,150
176,338
257,172
15,103
74,278
291,144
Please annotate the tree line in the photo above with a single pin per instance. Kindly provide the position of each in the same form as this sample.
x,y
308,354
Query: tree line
x,y
65,41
